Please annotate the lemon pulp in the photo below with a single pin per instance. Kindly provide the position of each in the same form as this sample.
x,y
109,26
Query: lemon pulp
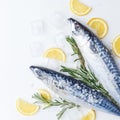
x,y
90,116
45,94
99,25
79,8
116,45
26,108
55,53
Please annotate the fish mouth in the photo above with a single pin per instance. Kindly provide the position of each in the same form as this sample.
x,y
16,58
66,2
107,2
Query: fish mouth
x,y
71,20
76,26
32,68
36,70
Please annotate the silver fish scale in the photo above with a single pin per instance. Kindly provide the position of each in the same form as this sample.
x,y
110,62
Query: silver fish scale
x,y
83,92
80,91
84,34
98,48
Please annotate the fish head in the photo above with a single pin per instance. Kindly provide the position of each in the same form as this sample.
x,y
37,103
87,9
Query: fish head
x,y
47,76
40,72
79,32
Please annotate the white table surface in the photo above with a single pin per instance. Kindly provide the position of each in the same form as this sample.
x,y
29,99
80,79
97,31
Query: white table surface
x,y
17,38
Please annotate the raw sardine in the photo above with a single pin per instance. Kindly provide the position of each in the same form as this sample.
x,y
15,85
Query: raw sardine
x,y
74,90
98,58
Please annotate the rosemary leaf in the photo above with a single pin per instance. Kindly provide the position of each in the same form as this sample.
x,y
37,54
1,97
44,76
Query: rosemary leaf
x,y
63,104
84,74
76,50
60,114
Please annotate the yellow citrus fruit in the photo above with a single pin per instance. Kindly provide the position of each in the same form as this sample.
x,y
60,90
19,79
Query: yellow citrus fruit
x,y
55,53
79,8
26,108
91,115
116,45
99,25
45,94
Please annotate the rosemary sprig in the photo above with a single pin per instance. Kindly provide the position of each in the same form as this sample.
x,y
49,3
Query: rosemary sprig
x,y
63,104
86,76
76,51
83,74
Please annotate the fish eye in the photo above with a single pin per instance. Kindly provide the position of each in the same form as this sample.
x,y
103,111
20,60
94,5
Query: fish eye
x,y
37,72
77,26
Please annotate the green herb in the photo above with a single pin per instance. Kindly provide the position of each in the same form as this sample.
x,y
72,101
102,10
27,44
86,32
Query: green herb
x,y
63,104
76,51
83,74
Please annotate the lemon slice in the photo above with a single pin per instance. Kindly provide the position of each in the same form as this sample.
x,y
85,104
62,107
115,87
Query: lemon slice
x,y
99,25
45,94
55,53
26,108
116,45
79,8
90,116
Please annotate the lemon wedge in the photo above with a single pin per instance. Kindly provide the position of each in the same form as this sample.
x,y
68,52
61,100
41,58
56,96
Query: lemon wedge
x,y
55,53
99,25
26,108
79,8
90,116
116,45
45,94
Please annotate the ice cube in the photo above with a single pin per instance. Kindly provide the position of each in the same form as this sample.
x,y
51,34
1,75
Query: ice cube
x,y
57,21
